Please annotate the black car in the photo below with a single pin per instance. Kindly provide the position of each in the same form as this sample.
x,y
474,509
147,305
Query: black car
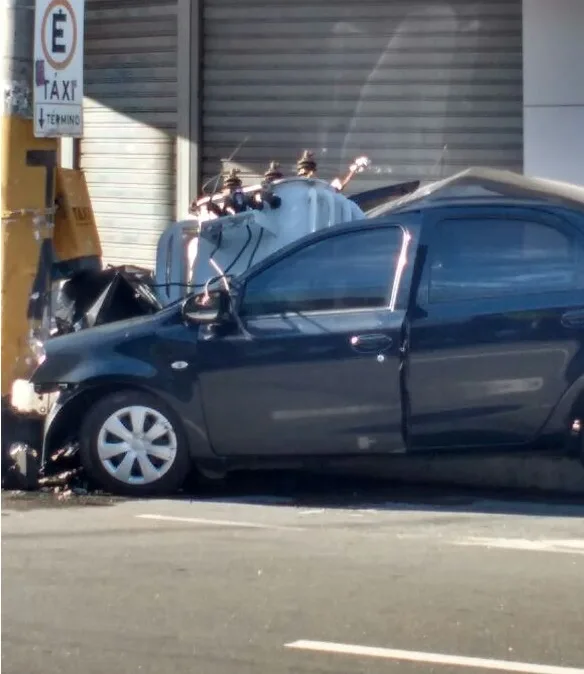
x,y
451,319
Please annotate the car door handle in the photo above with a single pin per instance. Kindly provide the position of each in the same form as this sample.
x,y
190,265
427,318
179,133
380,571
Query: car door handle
x,y
573,319
371,342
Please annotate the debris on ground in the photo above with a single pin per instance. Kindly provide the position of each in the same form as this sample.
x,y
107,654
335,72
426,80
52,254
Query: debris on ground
x,y
62,475
23,470
62,482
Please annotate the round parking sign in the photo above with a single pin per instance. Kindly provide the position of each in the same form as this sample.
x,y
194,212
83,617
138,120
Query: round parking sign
x,y
59,34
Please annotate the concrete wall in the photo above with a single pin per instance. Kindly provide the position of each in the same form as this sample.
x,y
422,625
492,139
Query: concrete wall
x,y
553,89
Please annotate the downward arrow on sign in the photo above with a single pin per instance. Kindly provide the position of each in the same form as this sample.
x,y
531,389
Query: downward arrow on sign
x,y
41,119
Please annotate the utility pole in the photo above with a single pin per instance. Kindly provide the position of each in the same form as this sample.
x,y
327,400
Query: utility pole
x,y
28,184
28,194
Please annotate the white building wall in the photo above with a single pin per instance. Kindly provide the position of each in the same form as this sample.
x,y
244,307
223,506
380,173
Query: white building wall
x,y
553,89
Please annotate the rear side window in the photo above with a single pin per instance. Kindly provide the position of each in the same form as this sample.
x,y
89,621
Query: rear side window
x,y
347,271
473,259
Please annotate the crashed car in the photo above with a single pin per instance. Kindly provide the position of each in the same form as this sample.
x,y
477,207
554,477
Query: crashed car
x,y
450,319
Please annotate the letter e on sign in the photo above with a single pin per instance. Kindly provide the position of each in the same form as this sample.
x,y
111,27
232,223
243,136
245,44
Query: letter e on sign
x,y
59,34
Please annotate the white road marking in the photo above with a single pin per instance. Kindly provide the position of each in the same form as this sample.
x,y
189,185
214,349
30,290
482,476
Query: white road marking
x,y
432,658
223,523
570,546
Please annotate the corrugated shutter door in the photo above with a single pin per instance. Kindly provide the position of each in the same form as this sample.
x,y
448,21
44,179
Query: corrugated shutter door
x,y
128,147
397,80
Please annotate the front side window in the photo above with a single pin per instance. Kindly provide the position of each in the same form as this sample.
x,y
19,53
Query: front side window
x,y
354,270
473,259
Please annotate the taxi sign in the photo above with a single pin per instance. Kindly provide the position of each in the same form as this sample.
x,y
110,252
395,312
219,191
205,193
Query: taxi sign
x,y
58,72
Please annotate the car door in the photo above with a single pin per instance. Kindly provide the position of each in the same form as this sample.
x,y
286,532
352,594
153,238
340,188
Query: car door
x,y
316,369
494,337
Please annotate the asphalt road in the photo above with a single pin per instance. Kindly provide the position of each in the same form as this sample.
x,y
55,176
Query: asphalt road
x,y
231,583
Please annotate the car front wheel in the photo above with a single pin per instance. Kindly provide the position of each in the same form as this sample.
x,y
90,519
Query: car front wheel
x,y
133,445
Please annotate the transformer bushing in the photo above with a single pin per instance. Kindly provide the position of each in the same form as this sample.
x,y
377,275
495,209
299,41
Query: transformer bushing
x,y
273,172
266,193
232,181
235,199
306,165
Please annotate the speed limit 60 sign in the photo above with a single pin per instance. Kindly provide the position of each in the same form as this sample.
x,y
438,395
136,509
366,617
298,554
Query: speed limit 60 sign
x,y
58,74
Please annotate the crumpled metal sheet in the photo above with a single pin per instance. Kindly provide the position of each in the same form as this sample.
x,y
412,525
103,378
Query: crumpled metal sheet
x,y
92,298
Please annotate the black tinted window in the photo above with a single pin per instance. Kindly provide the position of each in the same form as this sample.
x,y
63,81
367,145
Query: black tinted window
x,y
488,258
347,271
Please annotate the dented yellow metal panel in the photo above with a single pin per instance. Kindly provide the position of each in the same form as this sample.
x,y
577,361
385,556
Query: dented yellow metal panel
x,y
25,221
76,234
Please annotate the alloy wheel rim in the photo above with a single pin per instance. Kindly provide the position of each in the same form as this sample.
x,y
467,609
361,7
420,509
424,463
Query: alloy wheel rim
x,y
137,445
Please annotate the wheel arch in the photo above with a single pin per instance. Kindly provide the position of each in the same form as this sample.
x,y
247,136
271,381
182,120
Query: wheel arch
x,y
65,426
159,479
65,422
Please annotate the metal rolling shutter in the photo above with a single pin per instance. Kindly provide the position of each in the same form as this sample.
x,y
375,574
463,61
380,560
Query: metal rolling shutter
x,y
130,106
397,80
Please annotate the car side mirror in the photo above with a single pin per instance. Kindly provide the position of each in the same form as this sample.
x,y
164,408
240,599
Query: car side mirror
x,y
206,308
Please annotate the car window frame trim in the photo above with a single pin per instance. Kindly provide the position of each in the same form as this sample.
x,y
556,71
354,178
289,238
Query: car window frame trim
x,y
407,237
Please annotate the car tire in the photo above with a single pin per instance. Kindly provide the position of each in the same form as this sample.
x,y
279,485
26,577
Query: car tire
x,y
153,457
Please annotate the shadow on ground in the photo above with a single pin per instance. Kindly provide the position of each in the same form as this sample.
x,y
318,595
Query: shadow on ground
x,y
321,490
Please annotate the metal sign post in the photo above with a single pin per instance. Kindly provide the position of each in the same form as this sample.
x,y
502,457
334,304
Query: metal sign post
x,y
58,68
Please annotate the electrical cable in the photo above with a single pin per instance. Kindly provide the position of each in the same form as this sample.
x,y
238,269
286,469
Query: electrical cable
x,y
217,245
231,264
255,248
241,252
175,283
222,276
211,256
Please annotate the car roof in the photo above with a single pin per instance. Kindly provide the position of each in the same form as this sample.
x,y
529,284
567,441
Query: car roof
x,y
486,186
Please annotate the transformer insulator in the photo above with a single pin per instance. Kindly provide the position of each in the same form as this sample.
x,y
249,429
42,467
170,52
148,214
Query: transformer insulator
x,y
273,172
306,165
232,181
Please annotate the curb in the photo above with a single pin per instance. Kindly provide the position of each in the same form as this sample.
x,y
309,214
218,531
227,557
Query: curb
x,y
558,475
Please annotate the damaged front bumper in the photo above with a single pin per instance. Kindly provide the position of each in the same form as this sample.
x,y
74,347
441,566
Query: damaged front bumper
x,y
38,408
23,430
26,438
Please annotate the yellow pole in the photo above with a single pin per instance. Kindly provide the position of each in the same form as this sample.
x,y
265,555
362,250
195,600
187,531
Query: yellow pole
x,y
28,184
